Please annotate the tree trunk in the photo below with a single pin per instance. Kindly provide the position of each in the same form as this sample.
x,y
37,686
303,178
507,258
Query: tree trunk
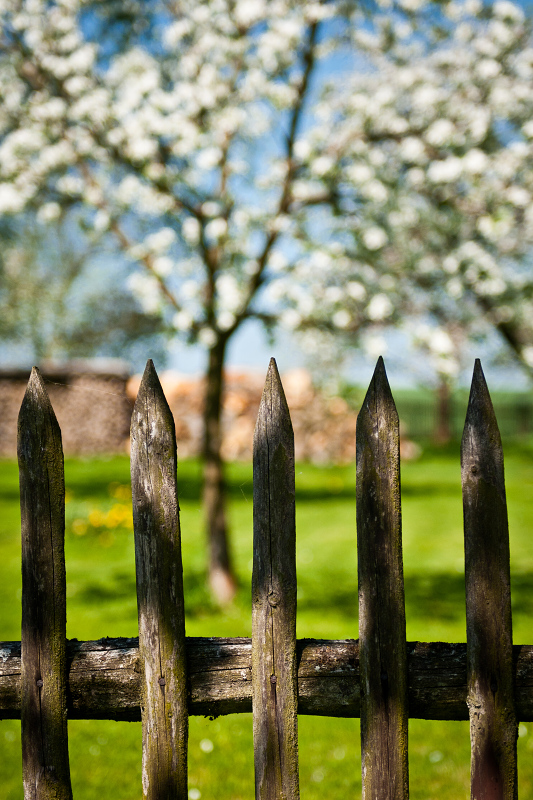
x,y
443,429
221,577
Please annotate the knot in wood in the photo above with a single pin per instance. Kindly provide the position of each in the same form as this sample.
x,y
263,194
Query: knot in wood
x,y
273,598
474,469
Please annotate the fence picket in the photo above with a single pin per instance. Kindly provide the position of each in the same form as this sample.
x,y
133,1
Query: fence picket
x,y
45,762
159,593
382,645
493,728
274,668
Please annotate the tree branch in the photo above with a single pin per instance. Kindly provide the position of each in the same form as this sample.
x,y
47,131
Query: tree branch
x,y
309,57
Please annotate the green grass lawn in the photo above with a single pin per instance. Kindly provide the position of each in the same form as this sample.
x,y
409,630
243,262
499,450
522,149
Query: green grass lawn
x,y
106,756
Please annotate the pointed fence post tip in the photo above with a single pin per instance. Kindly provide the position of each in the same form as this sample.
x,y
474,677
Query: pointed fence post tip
x,y
380,373
150,383
272,368
37,421
150,372
378,401
36,381
478,376
273,405
480,414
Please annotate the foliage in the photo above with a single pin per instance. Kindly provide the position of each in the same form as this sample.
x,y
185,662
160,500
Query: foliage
x,y
57,300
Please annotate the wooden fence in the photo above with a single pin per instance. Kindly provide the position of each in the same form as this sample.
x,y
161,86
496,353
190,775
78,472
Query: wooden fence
x,y
162,677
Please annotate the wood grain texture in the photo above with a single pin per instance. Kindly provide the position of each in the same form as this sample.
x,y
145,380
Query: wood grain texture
x,y
104,678
159,593
493,726
274,669
45,762
382,645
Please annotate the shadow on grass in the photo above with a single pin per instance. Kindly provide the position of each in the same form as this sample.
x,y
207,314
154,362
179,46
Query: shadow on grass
x,y
441,596
435,596
190,490
432,489
428,597
121,587
432,596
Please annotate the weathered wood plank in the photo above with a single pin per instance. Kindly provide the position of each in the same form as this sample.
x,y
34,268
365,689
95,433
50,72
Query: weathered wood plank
x,y
383,655
104,680
45,762
493,727
159,593
274,669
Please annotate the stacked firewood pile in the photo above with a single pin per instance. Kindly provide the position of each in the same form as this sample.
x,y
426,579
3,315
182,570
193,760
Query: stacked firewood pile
x,y
324,427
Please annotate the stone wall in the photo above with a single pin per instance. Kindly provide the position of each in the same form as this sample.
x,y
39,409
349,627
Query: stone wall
x,y
91,405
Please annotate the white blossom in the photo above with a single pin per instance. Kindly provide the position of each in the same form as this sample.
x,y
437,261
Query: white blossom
x,y
445,171
360,173
440,132
440,342
518,196
101,220
163,266
160,241
322,165
356,290
216,228
225,320
527,353
413,150
191,230
375,238
211,208
49,212
341,318
11,200
379,308
182,320
290,318
146,289
207,337
228,292
475,162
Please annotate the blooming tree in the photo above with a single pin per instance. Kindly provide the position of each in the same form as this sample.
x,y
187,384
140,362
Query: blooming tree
x,y
342,164
431,158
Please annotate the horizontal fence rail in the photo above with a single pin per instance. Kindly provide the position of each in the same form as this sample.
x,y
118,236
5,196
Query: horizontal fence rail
x,y
104,678
162,676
